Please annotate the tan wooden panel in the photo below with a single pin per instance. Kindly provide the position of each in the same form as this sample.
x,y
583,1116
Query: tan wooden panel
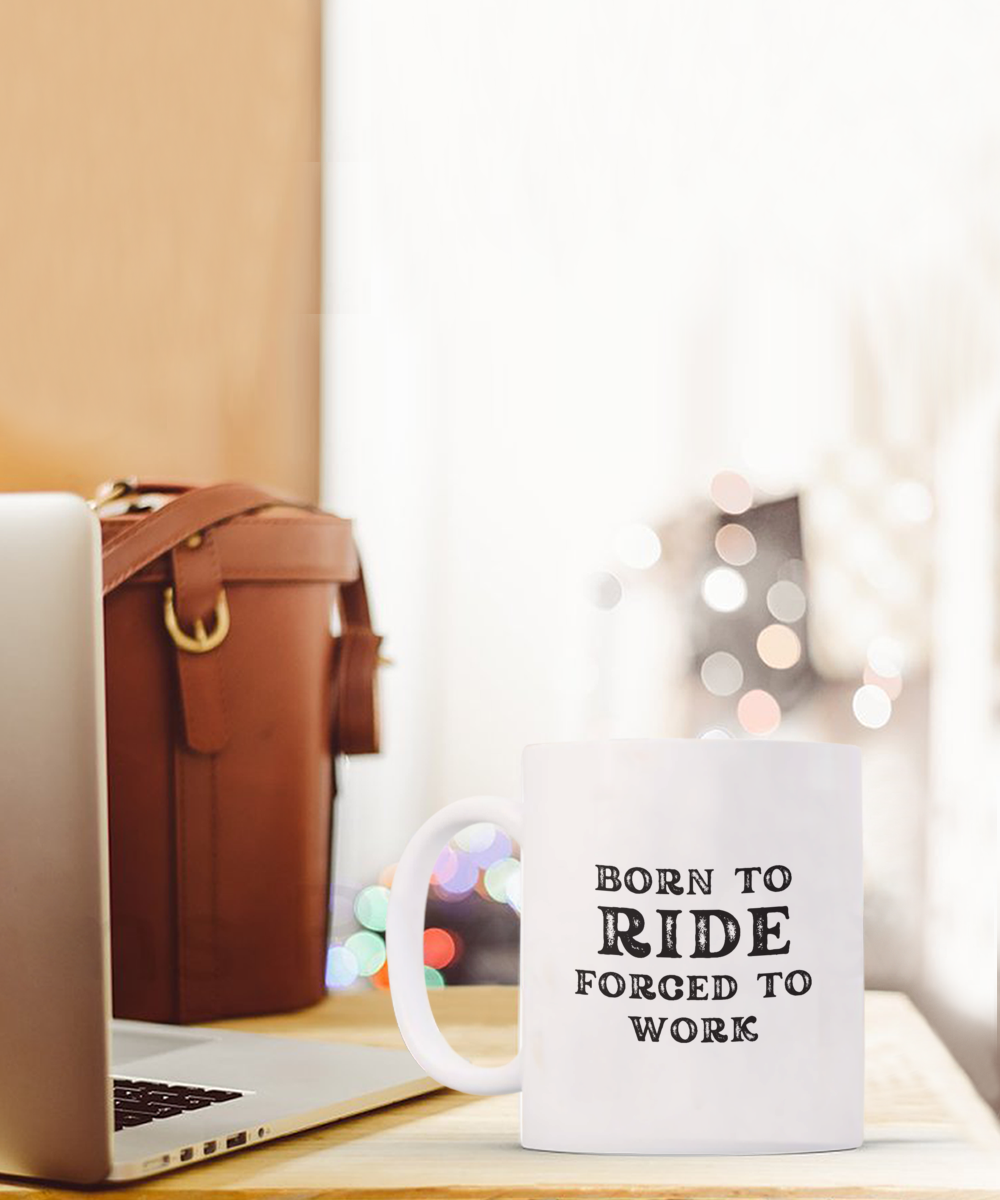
x,y
159,241
927,1132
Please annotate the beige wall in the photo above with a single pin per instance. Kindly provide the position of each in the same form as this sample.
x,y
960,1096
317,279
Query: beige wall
x,y
159,241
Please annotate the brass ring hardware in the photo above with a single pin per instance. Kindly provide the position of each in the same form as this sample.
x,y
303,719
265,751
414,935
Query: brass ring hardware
x,y
202,641
111,490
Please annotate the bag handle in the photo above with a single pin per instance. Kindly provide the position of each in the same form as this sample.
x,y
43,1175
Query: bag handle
x,y
354,723
188,513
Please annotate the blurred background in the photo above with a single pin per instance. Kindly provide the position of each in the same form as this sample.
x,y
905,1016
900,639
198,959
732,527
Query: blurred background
x,y
654,348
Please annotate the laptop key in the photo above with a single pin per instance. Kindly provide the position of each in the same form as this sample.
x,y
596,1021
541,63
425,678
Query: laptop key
x,y
124,1120
139,1101
177,1099
149,1110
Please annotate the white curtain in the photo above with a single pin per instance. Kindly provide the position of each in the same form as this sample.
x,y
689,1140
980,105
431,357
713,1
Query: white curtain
x,y
580,255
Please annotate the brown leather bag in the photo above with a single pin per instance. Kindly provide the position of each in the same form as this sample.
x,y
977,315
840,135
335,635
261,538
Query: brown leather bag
x,y
227,698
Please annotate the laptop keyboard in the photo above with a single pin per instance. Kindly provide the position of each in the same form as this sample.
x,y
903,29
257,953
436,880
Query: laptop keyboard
x,y
139,1101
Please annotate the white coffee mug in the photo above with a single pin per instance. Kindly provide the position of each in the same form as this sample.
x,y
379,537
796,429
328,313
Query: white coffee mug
x,y
692,977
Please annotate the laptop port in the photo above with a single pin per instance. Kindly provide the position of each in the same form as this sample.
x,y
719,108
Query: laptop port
x,y
187,1154
210,1147
238,1139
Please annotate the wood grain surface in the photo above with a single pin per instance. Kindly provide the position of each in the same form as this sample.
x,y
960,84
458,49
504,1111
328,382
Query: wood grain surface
x,y
928,1134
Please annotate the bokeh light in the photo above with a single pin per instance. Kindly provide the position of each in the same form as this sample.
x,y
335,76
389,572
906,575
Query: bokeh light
x,y
721,673
475,837
892,685
341,967
758,712
715,735
371,907
736,545
480,858
872,706
885,656
779,647
498,877
463,879
724,589
499,847
637,546
368,950
604,590
439,947
731,492
786,601
445,866
514,889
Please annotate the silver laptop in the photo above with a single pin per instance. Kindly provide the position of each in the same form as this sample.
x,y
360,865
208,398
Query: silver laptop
x,y
83,1098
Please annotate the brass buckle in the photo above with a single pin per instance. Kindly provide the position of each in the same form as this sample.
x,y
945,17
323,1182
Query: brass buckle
x,y
202,641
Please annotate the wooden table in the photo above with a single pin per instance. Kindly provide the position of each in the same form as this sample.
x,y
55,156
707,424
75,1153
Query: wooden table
x,y
928,1134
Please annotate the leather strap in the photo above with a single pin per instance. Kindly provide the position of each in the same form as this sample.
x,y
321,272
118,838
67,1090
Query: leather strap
x,y
197,584
277,545
188,513
355,725
355,710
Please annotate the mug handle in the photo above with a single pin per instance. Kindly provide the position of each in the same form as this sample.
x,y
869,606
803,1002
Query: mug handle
x,y
405,947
